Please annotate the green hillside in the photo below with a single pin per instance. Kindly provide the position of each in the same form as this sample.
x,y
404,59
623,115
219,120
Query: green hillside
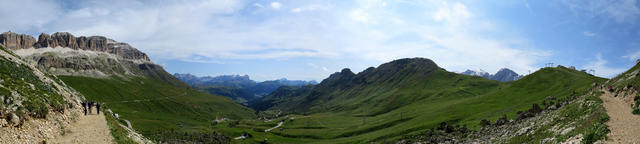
x,y
26,92
155,107
411,95
626,82
628,78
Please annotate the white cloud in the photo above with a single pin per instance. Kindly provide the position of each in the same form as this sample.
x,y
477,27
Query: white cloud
x,y
621,11
632,56
359,15
367,32
454,13
457,41
276,5
258,5
295,10
589,34
312,7
22,15
323,68
601,68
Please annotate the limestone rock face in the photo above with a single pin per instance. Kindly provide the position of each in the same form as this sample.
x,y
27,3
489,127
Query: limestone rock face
x,y
14,41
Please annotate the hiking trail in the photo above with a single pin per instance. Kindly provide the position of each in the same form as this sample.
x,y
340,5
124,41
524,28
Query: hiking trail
x,y
91,128
279,125
624,126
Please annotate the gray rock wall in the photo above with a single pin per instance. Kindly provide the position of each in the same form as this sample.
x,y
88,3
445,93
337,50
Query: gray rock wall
x,y
16,41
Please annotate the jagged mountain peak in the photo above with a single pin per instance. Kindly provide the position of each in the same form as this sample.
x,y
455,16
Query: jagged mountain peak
x,y
14,41
503,75
478,72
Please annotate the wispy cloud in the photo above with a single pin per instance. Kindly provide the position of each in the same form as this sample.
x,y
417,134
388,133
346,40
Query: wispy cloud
x,y
258,5
632,56
213,31
526,5
589,34
314,66
276,5
621,11
602,69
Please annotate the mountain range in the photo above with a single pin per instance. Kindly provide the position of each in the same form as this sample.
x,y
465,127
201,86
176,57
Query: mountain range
x,y
409,95
409,100
240,88
503,75
126,81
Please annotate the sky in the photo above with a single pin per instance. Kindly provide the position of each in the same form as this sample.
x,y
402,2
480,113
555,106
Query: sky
x,y
311,39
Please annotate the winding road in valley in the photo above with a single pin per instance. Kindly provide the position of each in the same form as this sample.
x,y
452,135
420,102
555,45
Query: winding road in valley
x,y
279,125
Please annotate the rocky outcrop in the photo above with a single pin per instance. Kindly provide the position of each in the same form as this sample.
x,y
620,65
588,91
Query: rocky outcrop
x,y
15,41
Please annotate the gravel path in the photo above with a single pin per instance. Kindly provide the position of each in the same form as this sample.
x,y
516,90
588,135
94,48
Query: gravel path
x,y
624,126
279,124
90,129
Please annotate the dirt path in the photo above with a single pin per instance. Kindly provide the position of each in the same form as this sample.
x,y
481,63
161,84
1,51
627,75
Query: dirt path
x,y
624,126
279,125
91,128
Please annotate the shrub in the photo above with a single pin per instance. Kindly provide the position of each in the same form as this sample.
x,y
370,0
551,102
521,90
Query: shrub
x,y
636,111
37,108
596,132
484,123
604,118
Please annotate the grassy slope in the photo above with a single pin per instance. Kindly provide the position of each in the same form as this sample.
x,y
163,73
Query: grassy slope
x,y
160,106
120,135
36,96
445,97
626,78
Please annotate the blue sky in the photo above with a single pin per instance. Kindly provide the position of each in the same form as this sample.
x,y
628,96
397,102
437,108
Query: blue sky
x,y
308,40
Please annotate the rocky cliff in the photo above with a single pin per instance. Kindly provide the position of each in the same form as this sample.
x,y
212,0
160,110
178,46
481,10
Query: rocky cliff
x,y
96,56
14,41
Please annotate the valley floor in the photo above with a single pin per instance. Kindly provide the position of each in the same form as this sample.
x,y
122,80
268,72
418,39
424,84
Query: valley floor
x,y
624,126
91,128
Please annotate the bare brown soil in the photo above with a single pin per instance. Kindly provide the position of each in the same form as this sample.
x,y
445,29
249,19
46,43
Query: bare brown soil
x,y
624,126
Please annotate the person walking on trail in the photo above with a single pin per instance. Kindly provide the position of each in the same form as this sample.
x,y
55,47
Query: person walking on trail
x,y
84,105
98,107
90,107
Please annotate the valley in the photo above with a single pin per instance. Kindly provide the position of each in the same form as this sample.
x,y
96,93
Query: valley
x,y
408,100
447,97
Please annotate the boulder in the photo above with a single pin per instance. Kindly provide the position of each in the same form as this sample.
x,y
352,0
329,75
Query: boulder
x,y
501,121
15,119
3,123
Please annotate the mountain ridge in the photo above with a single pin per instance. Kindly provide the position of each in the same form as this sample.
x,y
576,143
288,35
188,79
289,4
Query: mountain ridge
x,y
503,75
410,95
238,87
15,41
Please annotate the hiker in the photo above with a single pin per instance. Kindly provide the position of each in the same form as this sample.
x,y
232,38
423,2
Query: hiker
x,y
98,107
84,105
610,89
90,107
